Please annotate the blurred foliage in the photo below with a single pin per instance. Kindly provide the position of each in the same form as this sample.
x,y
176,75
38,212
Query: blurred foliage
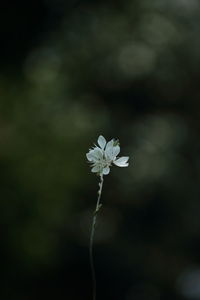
x,y
71,70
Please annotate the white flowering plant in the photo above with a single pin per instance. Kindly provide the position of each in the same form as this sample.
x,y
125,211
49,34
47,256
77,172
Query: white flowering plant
x,y
102,157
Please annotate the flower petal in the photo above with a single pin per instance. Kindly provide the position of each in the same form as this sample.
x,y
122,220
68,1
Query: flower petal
x,y
116,150
122,161
109,150
98,153
109,145
95,169
101,141
89,156
106,171
95,155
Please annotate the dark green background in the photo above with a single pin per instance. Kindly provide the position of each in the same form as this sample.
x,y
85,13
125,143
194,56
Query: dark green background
x,y
70,71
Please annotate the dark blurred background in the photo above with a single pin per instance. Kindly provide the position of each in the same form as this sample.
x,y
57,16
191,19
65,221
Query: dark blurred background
x,y
69,71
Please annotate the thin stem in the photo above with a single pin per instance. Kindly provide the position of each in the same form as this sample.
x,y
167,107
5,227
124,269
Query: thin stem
x,y
98,206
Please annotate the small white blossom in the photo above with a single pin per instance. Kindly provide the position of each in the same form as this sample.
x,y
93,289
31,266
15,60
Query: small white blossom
x,y
104,155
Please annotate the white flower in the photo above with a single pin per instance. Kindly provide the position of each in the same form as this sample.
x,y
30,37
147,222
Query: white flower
x,y
104,155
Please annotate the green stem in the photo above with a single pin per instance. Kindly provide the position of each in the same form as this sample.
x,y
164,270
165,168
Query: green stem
x,y
98,206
